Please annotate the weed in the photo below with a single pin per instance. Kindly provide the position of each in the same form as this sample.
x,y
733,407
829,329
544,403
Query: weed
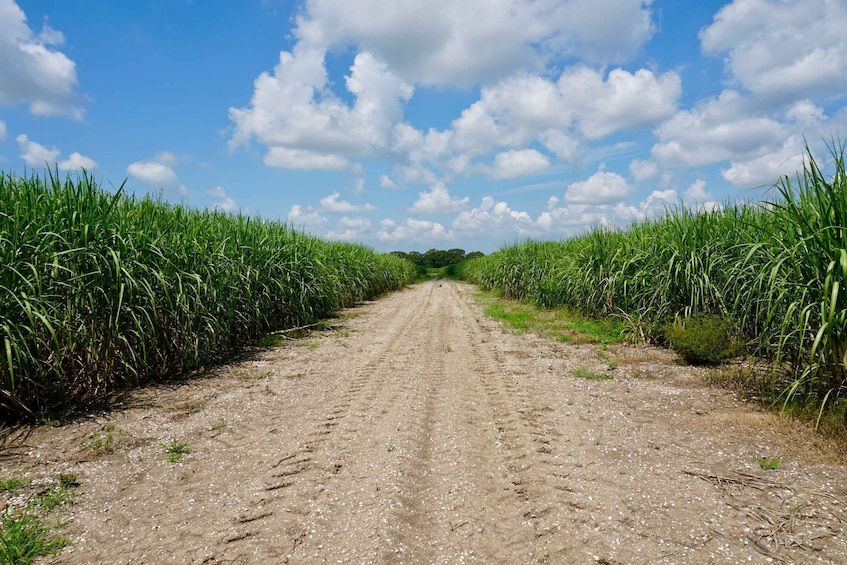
x,y
272,340
584,373
25,536
103,444
175,450
67,480
55,496
768,464
108,442
145,401
12,484
604,355
454,527
749,381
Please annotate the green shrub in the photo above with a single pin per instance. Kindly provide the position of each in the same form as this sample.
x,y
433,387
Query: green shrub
x,y
450,271
702,339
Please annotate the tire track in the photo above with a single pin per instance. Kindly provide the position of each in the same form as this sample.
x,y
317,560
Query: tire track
x,y
528,443
432,494
394,419
298,479
411,515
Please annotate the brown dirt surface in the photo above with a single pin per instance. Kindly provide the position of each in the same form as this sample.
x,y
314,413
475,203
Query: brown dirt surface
x,y
417,431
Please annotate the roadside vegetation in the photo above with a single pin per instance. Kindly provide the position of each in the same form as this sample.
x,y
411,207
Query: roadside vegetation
x,y
100,290
562,324
765,279
29,519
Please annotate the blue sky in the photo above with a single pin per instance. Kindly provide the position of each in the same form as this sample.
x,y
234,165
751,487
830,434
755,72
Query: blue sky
x,y
407,125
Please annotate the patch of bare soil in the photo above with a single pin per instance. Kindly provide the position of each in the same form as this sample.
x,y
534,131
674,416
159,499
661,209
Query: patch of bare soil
x,y
419,432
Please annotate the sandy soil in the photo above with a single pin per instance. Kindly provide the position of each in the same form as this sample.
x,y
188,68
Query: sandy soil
x,y
418,431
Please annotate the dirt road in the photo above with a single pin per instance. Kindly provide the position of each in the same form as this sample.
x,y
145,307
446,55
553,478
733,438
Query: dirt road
x,y
419,432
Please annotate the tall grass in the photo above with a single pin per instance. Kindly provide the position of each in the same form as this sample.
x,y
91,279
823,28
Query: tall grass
x,y
100,290
776,270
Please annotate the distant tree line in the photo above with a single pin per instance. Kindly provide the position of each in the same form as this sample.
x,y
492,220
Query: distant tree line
x,y
437,258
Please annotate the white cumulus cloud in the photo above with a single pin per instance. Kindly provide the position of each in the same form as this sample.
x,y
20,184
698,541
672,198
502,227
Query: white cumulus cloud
x,y
157,174
766,169
303,160
414,231
517,163
443,42
504,46
697,191
805,114
36,155
305,217
386,182
2,130
304,126
566,147
32,71
576,218
494,217
727,127
524,107
658,202
623,100
438,201
333,205
642,170
780,49
349,229
570,219
354,223
698,197
223,201
77,161
600,188
528,108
